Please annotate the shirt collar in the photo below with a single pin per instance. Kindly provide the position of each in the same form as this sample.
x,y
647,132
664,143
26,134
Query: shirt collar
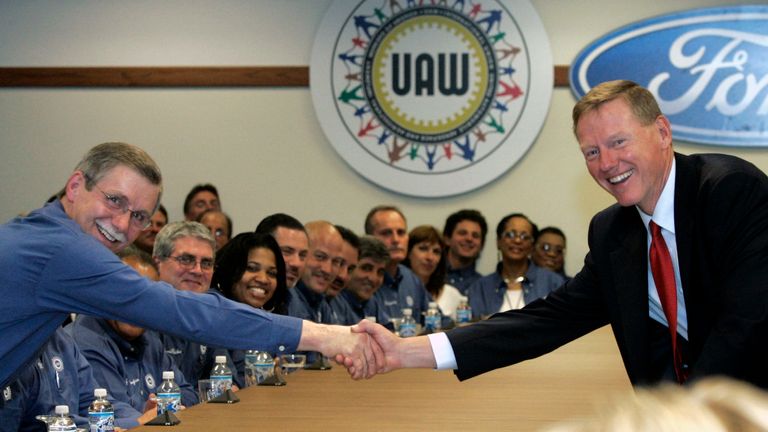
x,y
664,212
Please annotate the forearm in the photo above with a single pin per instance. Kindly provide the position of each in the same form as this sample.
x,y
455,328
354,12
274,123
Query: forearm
x,y
416,352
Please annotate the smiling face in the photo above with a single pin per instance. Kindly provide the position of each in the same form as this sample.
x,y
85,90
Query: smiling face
x,y
112,228
366,278
348,262
324,245
626,158
465,241
549,251
424,258
259,281
516,249
294,245
193,278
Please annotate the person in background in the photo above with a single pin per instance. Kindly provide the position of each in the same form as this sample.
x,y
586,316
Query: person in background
x,y
350,249
517,280
127,360
365,280
146,239
549,250
184,254
201,198
401,287
250,269
294,243
307,299
220,225
426,258
61,375
464,234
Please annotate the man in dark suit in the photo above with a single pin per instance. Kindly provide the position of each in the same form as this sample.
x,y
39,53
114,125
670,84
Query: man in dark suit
x,y
712,211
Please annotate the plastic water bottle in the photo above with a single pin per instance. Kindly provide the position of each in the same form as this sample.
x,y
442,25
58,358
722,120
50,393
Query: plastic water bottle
x,y
62,423
101,415
408,326
433,319
265,366
221,377
250,367
463,311
168,394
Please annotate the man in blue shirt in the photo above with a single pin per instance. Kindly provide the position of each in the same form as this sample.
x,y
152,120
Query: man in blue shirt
x,y
401,287
61,259
184,254
63,376
340,311
365,280
464,234
307,299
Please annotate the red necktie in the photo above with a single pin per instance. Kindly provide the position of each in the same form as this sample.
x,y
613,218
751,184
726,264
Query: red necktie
x,y
664,277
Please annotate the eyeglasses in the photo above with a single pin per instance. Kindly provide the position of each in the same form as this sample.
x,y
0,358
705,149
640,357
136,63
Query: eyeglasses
x,y
523,236
189,262
139,219
546,247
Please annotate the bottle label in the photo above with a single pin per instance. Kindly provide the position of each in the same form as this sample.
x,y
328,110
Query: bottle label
x,y
407,329
432,322
220,384
464,315
101,421
168,402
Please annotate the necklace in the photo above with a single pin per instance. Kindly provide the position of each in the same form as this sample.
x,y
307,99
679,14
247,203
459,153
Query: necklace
x,y
509,280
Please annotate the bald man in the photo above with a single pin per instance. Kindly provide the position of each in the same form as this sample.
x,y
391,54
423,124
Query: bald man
x,y
307,299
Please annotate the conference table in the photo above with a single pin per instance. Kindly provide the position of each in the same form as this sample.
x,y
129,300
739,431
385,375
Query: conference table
x,y
565,384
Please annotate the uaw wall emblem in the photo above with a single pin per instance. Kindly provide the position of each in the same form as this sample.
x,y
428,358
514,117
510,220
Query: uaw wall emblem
x,y
431,98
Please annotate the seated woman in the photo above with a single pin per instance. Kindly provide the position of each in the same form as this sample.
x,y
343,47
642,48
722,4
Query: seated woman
x,y
549,251
250,269
517,281
426,258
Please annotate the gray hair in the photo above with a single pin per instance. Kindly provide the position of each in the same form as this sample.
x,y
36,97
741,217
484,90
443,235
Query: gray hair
x,y
104,157
164,242
373,248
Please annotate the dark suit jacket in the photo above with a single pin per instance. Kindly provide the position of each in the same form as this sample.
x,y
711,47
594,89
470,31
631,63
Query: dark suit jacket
x,y
721,223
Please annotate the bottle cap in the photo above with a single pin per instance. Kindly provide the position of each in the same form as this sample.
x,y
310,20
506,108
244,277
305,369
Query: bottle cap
x,y
100,392
221,359
433,305
407,311
167,375
61,409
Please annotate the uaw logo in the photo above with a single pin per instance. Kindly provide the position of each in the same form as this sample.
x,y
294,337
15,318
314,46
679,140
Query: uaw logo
x,y
431,98
708,68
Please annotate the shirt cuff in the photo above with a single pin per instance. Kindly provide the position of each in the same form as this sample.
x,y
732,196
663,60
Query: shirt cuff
x,y
443,351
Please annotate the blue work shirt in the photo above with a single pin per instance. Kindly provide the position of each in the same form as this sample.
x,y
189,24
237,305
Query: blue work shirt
x,y
306,304
361,309
129,370
462,278
487,294
63,376
49,267
405,290
196,360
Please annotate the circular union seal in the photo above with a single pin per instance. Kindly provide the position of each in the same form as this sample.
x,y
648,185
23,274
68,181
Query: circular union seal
x,y
431,99
149,380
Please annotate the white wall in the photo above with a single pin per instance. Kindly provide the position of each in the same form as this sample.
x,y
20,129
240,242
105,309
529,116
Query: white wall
x,y
264,148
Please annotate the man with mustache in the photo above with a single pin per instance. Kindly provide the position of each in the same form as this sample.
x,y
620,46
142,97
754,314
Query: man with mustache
x,y
61,259
401,287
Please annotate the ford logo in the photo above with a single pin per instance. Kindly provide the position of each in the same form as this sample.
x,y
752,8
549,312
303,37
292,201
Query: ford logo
x,y
708,68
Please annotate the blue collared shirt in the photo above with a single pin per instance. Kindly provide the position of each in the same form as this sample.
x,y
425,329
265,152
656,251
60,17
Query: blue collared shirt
x,y
306,304
462,278
405,290
49,267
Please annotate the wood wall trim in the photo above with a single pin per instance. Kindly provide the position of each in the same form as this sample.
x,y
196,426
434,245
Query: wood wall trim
x,y
261,76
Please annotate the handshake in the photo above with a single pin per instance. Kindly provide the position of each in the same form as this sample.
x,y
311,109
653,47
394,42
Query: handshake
x,y
367,348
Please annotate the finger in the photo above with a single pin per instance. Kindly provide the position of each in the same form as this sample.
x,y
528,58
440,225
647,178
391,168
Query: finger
x,y
379,356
